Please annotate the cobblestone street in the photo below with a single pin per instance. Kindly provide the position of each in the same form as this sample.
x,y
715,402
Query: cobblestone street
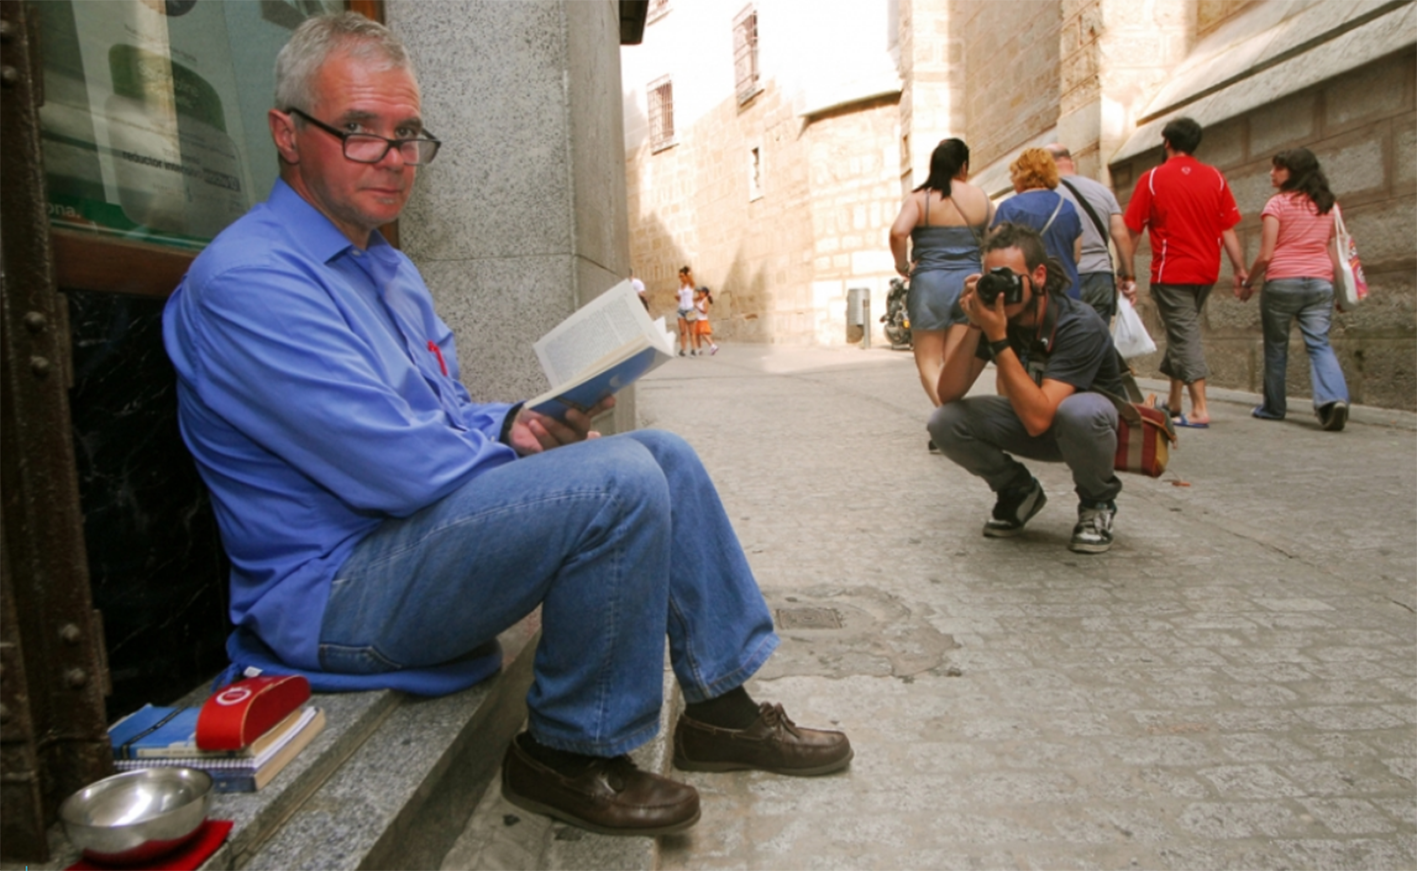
x,y
1233,685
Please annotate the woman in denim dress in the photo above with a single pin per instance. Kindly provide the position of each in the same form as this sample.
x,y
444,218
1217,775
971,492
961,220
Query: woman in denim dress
x,y
942,221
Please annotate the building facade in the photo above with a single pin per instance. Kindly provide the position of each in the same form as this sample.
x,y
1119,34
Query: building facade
x,y
769,148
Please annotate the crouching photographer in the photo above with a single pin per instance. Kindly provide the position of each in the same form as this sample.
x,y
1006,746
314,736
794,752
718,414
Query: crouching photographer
x,y
1052,354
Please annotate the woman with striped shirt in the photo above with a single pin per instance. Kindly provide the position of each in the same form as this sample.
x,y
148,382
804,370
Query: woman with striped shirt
x,y
1298,268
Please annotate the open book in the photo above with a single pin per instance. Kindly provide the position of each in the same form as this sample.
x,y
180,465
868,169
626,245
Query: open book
x,y
604,346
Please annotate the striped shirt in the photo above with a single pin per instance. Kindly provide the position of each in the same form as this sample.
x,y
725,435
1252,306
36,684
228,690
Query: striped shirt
x,y
1301,250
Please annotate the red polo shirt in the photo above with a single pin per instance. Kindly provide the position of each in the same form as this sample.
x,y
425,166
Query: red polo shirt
x,y
1187,205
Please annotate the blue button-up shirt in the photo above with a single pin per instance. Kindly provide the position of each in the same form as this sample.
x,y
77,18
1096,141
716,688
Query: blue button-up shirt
x,y
319,393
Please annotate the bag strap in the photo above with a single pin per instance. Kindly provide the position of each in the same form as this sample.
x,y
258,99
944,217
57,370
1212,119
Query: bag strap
x,y
1056,209
1087,207
978,237
1129,378
1131,412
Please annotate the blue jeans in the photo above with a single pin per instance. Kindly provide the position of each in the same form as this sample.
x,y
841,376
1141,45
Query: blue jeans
x,y
1310,301
980,432
619,539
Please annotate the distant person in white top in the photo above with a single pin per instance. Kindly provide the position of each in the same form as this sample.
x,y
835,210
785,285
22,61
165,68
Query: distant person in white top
x,y
639,287
1101,220
687,313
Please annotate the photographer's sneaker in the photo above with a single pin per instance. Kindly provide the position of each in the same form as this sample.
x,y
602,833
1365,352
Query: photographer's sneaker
x,y
1015,508
1093,534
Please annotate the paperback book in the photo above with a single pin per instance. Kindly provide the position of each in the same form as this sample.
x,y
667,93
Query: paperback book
x,y
245,773
605,346
155,732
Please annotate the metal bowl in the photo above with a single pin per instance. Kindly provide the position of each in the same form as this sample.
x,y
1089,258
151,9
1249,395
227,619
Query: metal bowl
x,y
136,815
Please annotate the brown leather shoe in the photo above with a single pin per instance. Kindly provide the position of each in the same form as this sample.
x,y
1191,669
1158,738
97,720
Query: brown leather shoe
x,y
610,797
773,743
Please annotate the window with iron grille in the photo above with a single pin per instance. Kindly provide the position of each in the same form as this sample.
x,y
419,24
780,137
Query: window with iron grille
x,y
755,172
745,53
661,114
657,9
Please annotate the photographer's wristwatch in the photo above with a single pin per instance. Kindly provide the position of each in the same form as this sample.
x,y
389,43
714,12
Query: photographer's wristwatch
x,y
999,347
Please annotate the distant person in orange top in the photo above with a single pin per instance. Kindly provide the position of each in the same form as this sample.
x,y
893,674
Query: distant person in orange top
x,y
703,332
1190,214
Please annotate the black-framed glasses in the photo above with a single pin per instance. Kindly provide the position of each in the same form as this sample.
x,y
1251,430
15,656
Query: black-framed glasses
x,y
371,148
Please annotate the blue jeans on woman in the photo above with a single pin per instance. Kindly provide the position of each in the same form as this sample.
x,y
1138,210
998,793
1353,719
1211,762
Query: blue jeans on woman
x,y
620,540
1310,301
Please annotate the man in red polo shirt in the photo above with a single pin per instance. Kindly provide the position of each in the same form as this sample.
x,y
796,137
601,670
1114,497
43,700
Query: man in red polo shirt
x,y
1190,212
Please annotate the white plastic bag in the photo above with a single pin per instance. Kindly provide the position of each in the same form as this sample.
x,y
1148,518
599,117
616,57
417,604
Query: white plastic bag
x,y
1128,333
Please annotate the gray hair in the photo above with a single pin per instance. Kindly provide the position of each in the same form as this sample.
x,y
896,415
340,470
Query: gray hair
x,y
321,36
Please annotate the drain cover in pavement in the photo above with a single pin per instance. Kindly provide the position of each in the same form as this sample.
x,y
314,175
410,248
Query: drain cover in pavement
x,y
808,618
835,631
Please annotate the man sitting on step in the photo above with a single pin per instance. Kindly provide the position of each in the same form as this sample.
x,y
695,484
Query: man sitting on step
x,y
383,527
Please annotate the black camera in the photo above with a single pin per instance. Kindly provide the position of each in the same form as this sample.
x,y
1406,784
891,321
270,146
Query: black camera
x,y
999,280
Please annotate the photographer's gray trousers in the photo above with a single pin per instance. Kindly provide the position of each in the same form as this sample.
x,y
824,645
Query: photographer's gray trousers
x,y
979,433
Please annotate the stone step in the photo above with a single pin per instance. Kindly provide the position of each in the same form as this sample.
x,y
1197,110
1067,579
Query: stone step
x,y
502,835
390,783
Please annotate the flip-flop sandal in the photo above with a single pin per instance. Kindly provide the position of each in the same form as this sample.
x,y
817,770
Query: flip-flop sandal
x,y
1182,421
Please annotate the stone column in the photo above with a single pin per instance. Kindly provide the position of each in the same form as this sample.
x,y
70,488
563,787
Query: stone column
x,y
523,216
1115,55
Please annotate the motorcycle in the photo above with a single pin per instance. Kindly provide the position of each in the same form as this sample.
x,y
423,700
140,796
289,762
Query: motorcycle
x,y
897,318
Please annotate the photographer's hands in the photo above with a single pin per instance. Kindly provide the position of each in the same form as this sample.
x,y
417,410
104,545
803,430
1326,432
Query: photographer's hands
x,y
990,319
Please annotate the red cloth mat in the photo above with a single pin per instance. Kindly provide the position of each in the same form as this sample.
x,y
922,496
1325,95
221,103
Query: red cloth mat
x,y
188,857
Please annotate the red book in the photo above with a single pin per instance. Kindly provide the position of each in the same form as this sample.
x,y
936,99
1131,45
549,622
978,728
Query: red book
x,y
240,713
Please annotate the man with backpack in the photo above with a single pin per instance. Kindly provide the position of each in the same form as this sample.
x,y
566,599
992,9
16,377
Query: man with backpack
x,y
1102,220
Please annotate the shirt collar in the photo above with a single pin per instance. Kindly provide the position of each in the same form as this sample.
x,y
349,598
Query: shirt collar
x,y
311,229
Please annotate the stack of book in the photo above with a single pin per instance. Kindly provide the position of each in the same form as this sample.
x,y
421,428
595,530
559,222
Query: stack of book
x,y
243,736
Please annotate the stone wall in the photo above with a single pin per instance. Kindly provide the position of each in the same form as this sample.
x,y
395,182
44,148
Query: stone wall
x,y
1210,14
517,224
690,205
933,67
854,178
779,264
1012,73
1362,127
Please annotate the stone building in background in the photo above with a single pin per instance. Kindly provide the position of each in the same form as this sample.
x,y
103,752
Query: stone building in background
x,y
768,144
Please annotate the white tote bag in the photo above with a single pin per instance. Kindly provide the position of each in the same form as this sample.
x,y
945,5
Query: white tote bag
x,y
1129,333
1349,285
